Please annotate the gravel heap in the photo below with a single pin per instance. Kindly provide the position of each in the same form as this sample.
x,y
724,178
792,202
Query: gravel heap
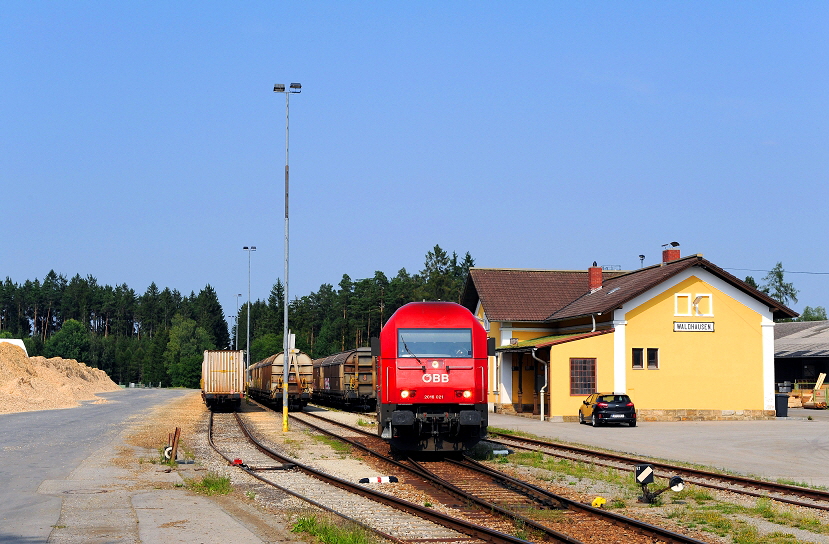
x,y
38,383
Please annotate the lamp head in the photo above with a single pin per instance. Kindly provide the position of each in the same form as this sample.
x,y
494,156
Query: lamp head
x,y
677,484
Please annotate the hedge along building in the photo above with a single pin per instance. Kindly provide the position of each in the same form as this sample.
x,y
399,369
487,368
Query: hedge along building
x,y
686,339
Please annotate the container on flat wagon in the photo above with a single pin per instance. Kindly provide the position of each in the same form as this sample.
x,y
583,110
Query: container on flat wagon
x,y
223,377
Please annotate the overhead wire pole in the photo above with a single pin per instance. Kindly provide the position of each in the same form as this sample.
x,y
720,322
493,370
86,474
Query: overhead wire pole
x,y
247,352
287,347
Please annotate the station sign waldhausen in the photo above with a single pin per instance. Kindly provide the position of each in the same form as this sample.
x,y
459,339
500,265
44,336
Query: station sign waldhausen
x,y
701,326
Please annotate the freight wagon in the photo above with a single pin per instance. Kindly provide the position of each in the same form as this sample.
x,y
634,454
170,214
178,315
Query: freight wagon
x,y
267,379
346,380
223,378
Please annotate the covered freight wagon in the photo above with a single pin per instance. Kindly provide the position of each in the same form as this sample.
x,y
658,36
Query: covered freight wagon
x,y
347,380
223,378
267,375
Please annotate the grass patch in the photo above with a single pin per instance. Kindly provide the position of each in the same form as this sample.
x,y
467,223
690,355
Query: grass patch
x,y
574,469
766,509
363,423
692,493
212,484
715,517
802,484
333,443
704,520
547,514
329,533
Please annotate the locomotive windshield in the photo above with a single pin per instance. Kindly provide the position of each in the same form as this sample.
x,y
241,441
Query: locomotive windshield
x,y
434,343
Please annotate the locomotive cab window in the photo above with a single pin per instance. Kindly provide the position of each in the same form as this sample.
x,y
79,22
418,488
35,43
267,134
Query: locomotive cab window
x,y
444,343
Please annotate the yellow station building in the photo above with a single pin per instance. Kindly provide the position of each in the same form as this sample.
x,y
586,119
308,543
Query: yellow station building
x,y
684,338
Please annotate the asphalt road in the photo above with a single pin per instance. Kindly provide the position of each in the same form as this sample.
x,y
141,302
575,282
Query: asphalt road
x,y
49,445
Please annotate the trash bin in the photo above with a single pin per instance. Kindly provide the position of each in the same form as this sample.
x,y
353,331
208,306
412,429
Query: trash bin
x,y
781,405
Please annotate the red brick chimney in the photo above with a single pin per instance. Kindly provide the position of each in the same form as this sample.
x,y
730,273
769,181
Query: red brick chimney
x,y
670,253
594,277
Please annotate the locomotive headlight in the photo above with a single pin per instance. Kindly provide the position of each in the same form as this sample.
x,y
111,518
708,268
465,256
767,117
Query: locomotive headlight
x,y
404,394
467,394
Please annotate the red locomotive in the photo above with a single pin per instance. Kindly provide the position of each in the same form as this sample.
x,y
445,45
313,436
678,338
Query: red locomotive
x,y
432,371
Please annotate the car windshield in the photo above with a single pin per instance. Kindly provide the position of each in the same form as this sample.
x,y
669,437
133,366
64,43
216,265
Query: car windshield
x,y
613,398
434,343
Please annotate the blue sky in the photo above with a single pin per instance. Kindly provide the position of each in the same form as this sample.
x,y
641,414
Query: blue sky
x,y
142,142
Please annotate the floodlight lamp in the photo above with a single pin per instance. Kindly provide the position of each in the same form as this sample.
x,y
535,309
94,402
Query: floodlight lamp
x,y
296,87
279,88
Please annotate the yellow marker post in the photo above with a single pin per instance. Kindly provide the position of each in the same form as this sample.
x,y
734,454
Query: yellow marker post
x,y
284,407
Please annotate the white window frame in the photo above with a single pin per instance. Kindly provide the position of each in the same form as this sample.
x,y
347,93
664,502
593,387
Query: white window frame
x,y
695,307
687,309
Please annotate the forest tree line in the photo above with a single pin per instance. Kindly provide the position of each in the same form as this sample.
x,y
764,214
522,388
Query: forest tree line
x,y
158,337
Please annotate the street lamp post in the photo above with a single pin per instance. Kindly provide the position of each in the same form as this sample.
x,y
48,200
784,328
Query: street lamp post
x,y
294,88
247,329
236,324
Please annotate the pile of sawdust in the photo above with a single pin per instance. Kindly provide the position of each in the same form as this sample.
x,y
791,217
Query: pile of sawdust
x,y
38,383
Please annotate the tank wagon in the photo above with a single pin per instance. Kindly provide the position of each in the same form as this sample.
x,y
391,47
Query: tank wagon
x,y
433,361
223,378
267,379
346,380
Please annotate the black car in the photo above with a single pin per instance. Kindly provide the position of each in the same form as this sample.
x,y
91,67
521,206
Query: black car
x,y
600,408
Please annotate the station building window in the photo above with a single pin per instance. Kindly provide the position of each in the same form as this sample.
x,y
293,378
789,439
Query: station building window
x,y
653,358
582,376
638,358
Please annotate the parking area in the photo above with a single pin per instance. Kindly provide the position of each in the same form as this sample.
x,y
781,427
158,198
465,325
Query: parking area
x,y
795,448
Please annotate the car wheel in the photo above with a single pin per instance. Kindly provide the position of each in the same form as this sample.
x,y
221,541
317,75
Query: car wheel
x,y
594,421
581,418
632,423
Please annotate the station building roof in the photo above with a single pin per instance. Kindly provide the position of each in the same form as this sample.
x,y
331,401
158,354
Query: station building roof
x,y
555,295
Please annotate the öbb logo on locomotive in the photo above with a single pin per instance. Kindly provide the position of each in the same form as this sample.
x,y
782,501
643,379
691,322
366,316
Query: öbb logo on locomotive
x,y
435,378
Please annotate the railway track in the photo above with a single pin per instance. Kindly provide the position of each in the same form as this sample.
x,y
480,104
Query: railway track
x,y
784,493
545,515
391,518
